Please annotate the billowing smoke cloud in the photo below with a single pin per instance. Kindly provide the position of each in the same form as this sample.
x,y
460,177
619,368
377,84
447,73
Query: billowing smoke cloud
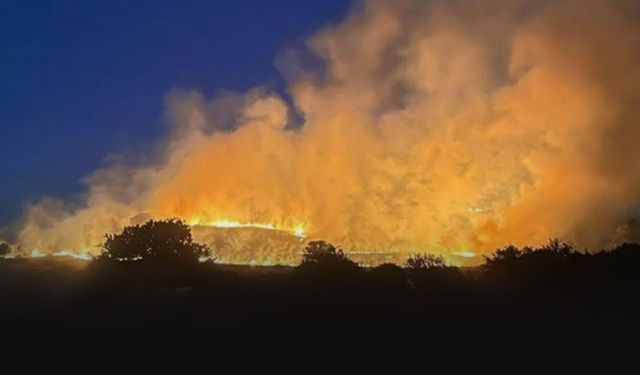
x,y
436,126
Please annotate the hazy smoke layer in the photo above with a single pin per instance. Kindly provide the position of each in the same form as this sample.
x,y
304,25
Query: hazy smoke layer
x,y
436,126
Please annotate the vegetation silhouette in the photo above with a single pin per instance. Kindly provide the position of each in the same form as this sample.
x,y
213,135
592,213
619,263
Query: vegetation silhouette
x,y
163,242
5,249
510,256
423,262
545,269
429,273
158,253
320,254
328,276
148,304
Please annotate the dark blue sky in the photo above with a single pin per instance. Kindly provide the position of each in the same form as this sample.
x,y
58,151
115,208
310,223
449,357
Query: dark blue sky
x,y
82,79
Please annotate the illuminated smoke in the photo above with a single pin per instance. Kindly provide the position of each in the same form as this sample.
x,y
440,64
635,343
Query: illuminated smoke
x,y
451,127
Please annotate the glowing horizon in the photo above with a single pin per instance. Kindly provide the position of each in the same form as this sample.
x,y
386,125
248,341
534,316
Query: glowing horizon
x,y
421,125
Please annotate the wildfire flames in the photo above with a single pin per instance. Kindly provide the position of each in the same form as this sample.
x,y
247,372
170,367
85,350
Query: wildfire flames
x,y
412,126
297,230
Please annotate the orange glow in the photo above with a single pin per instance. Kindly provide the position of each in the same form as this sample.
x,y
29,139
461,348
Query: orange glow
x,y
430,128
298,230
72,254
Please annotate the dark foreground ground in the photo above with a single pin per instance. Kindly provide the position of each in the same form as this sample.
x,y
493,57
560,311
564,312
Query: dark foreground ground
x,y
57,318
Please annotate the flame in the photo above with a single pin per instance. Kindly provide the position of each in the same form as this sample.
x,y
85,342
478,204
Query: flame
x,y
297,230
425,126
465,254
35,254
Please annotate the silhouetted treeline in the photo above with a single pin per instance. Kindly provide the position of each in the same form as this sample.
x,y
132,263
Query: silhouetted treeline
x,y
151,304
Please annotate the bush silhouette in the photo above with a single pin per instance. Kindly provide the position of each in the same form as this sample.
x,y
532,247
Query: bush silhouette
x,y
552,266
430,273
322,261
164,241
5,249
507,254
553,252
321,253
422,262
555,246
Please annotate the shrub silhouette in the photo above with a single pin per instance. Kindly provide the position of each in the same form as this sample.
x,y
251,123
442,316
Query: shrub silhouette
x,y
5,249
422,262
322,261
547,296
551,266
511,256
321,253
507,254
164,241
430,273
557,247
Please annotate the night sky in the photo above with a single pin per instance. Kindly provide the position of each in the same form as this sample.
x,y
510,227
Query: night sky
x,y
81,80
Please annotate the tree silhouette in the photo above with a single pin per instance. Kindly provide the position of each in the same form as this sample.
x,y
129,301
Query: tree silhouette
x,y
554,265
557,247
506,255
321,253
421,262
164,241
5,249
510,256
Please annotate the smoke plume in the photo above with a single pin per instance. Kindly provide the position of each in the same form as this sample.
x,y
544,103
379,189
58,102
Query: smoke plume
x,y
438,126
